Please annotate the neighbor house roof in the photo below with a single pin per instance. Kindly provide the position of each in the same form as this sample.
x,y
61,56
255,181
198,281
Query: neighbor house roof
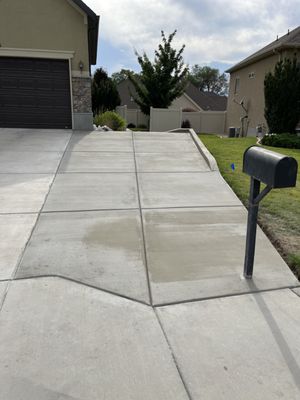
x,y
207,101
93,30
125,89
288,41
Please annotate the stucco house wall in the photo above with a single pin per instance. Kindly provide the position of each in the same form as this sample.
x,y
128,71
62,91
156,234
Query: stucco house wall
x,y
251,91
51,29
247,86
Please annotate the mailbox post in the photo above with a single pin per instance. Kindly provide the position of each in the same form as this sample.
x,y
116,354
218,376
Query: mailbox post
x,y
275,171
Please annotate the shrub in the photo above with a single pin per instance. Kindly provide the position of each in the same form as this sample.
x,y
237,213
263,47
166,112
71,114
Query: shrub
x,y
287,140
111,119
282,97
186,124
129,126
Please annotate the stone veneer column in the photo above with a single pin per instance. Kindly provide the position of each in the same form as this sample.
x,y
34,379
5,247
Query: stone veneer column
x,y
82,103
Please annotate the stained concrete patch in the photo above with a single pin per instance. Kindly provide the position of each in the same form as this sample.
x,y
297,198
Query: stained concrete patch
x,y
160,190
245,347
165,146
34,139
14,234
101,142
60,340
29,162
23,192
71,192
199,253
87,161
102,249
171,162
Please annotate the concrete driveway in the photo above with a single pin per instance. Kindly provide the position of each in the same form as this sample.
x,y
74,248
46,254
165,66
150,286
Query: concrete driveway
x,y
120,275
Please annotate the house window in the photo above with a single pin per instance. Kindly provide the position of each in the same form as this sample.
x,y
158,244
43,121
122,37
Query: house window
x,y
251,75
237,85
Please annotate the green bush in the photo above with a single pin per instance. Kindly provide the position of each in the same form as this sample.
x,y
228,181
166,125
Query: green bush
x,y
287,140
111,119
282,96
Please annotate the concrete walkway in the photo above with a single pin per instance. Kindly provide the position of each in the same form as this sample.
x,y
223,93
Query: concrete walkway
x,y
121,275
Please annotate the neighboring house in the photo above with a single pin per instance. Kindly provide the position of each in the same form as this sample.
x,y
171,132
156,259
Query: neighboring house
x,y
200,101
47,48
192,99
246,102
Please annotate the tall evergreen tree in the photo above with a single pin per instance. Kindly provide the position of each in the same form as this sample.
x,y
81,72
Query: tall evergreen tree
x,y
105,96
282,97
162,80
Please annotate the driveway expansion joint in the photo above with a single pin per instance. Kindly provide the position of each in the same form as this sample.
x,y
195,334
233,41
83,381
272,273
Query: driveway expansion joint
x,y
40,210
173,355
151,305
142,222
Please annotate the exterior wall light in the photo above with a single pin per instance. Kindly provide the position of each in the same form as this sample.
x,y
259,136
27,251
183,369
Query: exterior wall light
x,y
81,65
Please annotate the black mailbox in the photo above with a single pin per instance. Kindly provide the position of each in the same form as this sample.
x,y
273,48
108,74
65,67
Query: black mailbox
x,y
273,169
276,171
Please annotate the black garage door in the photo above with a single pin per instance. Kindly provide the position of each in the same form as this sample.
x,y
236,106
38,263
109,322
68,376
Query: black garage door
x,y
34,93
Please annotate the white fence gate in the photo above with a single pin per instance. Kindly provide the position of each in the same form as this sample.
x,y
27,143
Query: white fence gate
x,y
163,119
133,116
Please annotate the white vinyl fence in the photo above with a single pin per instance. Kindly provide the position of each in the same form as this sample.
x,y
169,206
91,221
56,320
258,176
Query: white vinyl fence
x,y
163,119
132,116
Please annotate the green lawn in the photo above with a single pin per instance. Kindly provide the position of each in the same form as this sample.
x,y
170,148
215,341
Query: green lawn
x,y
279,213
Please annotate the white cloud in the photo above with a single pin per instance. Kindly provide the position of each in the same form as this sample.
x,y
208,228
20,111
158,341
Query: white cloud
x,y
213,31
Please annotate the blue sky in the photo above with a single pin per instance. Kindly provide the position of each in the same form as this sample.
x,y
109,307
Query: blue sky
x,y
217,33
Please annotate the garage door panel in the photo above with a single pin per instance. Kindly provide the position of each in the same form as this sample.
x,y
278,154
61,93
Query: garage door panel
x,y
12,102
25,83
35,93
8,83
27,122
60,85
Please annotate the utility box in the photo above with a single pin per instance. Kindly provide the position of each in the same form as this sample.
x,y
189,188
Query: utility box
x,y
231,133
273,169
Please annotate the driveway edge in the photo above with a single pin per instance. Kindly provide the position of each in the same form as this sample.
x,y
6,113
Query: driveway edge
x,y
212,163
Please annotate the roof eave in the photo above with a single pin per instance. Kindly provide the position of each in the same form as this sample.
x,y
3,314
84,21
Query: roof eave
x,y
90,13
259,57
193,101
93,30
93,33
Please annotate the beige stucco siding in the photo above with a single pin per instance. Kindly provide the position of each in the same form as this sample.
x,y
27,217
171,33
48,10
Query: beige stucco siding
x,y
251,89
46,25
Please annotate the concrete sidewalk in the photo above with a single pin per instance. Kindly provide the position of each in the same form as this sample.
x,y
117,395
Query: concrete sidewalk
x,y
121,275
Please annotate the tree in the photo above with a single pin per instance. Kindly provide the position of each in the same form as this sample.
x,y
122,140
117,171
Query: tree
x,y
282,97
209,79
105,96
122,75
162,80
